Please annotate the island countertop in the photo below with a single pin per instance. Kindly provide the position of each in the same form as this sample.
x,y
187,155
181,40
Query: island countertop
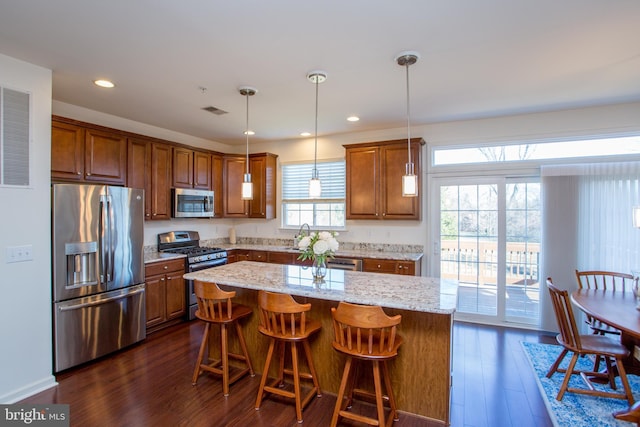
x,y
423,294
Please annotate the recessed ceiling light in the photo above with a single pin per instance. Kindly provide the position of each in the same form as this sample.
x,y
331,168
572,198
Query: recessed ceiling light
x,y
249,132
305,134
104,83
353,118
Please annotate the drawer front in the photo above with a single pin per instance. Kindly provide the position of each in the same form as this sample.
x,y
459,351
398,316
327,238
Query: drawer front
x,y
162,267
379,266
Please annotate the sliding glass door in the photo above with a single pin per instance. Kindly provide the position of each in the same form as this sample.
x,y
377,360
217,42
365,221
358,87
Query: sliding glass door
x,y
489,241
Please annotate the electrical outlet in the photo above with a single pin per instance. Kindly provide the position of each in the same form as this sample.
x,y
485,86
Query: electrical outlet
x,y
19,253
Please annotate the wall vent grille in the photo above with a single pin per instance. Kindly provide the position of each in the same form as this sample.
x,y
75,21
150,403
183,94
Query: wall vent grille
x,y
15,126
215,110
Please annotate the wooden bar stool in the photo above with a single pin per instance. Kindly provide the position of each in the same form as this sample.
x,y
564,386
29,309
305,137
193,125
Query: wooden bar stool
x,y
284,320
365,333
215,307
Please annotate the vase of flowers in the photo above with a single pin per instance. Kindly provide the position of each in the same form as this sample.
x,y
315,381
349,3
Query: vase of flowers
x,y
318,246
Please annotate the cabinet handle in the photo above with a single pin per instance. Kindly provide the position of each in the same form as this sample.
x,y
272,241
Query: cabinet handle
x,y
384,214
400,267
162,279
88,174
78,173
166,267
378,265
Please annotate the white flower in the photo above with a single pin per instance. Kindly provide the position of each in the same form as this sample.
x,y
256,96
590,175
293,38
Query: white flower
x,y
304,243
325,235
320,247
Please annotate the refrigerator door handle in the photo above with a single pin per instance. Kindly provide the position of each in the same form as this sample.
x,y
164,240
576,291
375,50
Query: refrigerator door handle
x,y
100,301
105,232
112,233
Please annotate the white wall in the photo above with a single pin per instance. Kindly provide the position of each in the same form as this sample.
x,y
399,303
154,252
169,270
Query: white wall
x,y
25,304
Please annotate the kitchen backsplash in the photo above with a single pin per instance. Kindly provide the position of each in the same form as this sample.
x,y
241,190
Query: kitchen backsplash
x,y
345,246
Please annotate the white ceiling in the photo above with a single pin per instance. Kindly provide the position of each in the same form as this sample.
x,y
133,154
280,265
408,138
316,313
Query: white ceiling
x,y
478,59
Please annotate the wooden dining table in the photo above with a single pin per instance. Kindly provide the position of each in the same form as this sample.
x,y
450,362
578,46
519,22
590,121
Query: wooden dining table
x,y
617,309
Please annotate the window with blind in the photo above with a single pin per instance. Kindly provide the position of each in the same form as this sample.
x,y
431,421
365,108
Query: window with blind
x,y
327,211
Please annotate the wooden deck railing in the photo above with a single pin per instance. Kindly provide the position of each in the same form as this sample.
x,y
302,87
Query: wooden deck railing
x,y
477,262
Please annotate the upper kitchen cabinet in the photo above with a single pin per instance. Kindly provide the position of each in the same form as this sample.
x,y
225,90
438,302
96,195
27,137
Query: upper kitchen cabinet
x,y
160,193
216,184
139,169
149,167
263,168
374,180
191,169
87,154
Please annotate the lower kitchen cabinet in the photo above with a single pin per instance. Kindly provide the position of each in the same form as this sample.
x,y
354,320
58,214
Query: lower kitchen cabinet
x,y
165,294
407,268
372,265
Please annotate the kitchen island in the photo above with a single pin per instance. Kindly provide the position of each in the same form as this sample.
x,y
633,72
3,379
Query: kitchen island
x,y
421,374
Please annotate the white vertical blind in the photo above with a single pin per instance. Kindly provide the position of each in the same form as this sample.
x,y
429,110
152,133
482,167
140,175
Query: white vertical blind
x,y
587,219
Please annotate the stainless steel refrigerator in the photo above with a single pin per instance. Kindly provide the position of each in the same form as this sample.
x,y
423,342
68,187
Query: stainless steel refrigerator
x,y
98,271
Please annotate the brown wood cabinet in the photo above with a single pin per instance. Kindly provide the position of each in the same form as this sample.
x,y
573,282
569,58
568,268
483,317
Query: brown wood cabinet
x,y
87,155
374,180
281,258
191,169
217,185
165,293
407,268
263,168
149,167
139,169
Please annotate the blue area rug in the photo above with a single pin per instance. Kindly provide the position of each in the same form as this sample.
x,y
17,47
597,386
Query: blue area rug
x,y
575,410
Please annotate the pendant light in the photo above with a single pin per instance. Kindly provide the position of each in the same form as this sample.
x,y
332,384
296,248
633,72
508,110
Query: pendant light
x,y
315,187
247,185
409,179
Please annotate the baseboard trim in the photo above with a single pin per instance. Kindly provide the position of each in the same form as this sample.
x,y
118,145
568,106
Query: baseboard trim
x,y
29,390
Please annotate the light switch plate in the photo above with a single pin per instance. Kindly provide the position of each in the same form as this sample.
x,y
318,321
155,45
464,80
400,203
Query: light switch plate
x,y
19,253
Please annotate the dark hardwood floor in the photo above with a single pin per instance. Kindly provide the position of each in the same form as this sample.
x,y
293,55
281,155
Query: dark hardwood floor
x,y
149,384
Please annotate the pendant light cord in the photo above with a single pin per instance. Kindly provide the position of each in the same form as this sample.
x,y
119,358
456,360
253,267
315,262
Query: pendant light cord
x,y
247,133
408,116
315,153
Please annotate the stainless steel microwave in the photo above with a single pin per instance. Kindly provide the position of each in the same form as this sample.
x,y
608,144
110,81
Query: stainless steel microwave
x,y
190,203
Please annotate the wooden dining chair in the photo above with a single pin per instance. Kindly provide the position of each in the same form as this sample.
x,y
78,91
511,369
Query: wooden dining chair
x,y
604,280
581,345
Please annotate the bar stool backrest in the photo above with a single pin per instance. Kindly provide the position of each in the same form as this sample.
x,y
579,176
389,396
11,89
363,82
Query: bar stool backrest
x,y
362,330
282,316
213,303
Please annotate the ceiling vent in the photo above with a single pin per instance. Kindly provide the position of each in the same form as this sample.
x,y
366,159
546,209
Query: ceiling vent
x,y
215,110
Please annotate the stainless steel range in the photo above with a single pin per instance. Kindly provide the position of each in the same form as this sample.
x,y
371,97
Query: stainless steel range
x,y
198,258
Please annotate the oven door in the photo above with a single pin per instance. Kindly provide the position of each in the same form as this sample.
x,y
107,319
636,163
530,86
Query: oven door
x,y
191,295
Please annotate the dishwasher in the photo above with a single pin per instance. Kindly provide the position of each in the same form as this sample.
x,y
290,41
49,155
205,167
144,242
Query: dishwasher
x,y
352,264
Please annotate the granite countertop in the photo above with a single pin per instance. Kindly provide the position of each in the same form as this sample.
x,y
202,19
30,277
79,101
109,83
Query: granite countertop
x,y
150,257
424,294
341,253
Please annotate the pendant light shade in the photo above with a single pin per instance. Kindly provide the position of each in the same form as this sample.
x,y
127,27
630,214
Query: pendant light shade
x,y
409,179
247,185
315,186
